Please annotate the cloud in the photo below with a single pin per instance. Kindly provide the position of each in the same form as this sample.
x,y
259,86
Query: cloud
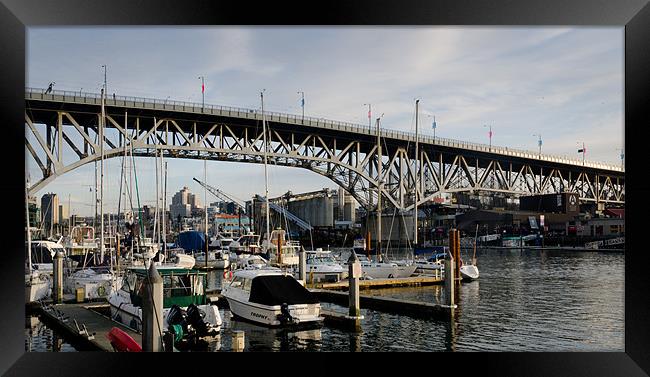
x,y
565,83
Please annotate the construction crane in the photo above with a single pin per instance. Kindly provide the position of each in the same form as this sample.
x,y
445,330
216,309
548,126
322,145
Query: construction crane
x,y
222,195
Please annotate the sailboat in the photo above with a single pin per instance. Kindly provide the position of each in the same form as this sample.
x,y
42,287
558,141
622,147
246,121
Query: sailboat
x,y
37,284
380,269
97,283
470,271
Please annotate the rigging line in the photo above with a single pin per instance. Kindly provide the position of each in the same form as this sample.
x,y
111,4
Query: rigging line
x,y
390,232
135,173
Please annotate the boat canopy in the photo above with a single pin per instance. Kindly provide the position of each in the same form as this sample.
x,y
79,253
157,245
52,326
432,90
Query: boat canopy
x,y
191,240
275,290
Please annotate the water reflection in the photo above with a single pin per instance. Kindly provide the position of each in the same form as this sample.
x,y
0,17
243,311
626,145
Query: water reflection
x,y
524,301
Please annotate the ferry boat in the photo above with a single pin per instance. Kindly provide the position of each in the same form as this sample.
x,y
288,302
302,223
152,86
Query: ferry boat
x,y
271,298
182,289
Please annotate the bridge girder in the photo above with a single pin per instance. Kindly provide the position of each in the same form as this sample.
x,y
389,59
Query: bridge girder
x,y
350,163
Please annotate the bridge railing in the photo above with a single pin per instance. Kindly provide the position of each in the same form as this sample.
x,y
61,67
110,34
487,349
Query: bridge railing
x,y
115,100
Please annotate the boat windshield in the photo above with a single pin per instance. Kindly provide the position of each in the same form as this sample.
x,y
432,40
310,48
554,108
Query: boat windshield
x,y
320,259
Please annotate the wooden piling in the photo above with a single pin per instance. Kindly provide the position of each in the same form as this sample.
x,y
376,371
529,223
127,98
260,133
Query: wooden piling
x,y
238,341
57,291
152,312
302,267
354,273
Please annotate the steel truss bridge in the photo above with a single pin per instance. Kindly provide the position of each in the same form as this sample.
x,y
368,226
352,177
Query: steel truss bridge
x,y
65,136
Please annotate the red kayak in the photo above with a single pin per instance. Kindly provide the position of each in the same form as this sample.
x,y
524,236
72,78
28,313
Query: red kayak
x,y
122,342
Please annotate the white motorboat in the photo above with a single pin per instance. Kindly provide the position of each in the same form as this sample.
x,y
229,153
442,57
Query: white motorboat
x,y
220,242
96,283
432,265
182,289
252,262
469,272
216,259
37,286
271,298
247,243
43,252
322,267
385,270
288,255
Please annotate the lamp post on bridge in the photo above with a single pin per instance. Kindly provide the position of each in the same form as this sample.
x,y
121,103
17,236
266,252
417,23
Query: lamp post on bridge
x,y
583,151
202,92
489,135
434,125
539,143
369,114
105,87
302,104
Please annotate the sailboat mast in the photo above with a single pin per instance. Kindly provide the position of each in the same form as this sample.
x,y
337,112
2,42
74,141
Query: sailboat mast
x,y
101,167
29,233
415,180
164,212
156,225
205,199
379,187
266,176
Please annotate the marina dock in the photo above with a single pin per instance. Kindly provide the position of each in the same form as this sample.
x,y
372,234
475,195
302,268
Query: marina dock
x,y
389,305
84,324
420,280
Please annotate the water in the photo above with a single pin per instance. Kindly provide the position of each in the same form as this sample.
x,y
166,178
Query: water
x,y
524,301
40,338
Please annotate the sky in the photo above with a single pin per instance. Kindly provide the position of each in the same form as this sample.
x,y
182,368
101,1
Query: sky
x,y
563,83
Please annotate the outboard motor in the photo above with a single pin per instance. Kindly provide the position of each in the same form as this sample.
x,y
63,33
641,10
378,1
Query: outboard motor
x,y
195,319
285,316
176,323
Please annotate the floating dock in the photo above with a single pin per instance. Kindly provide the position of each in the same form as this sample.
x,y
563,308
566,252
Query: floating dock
x,y
384,283
389,305
84,324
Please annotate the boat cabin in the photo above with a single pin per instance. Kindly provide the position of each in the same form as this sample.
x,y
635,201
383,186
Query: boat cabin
x,y
181,287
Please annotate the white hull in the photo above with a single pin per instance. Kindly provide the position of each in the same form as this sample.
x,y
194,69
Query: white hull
x,y
37,287
267,315
386,271
130,315
94,285
469,272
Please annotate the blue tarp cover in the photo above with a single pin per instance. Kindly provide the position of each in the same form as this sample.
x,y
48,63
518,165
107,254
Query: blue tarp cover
x,y
191,240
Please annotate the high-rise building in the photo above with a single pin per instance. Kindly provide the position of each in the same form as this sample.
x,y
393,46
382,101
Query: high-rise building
x,y
64,213
50,209
184,203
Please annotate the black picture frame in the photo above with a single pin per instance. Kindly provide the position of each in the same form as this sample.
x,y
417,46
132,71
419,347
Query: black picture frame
x,y
16,15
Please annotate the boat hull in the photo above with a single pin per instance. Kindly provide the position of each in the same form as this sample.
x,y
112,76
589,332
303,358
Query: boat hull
x,y
37,287
267,315
469,272
381,271
123,311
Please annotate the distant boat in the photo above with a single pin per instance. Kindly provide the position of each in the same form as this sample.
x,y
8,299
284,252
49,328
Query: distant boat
x,y
379,270
470,271
322,267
